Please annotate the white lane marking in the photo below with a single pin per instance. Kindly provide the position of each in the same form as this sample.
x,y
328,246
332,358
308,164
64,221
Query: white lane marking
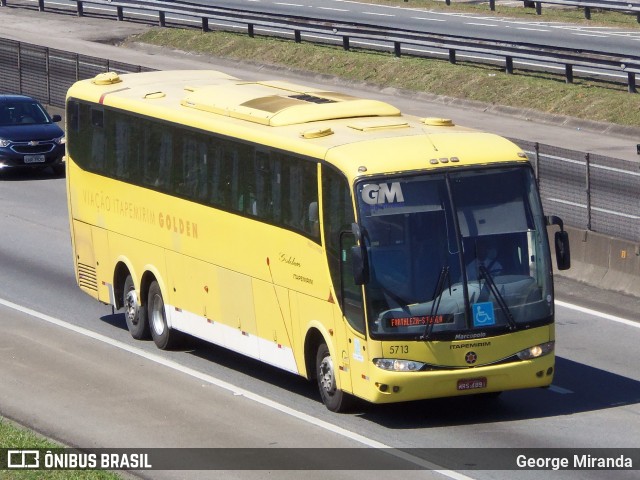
x,y
429,19
378,14
237,391
560,390
533,29
481,24
589,35
606,316
333,9
289,4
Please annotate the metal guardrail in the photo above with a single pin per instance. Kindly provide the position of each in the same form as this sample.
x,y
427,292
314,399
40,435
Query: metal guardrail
x,y
614,5
587,5
399,40
590,192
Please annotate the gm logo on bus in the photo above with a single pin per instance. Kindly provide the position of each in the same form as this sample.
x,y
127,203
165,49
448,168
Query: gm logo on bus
x,y
382,193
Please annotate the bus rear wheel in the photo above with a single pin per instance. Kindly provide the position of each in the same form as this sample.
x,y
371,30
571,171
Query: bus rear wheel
x,y
164,337
334,399
134,313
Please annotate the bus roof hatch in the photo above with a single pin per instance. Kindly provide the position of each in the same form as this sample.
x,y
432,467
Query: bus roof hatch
x,y
281,103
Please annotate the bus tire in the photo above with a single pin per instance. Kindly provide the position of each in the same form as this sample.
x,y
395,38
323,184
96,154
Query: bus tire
x,y
334,399
134,313
164,337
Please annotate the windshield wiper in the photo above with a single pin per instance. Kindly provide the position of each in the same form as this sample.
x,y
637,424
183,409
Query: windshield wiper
x,y
435,305
484,273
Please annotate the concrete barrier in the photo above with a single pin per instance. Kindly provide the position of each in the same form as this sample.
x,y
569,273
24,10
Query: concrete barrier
x,y
602,261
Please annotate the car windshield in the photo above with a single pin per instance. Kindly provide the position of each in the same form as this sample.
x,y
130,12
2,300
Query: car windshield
x,y
20,112
455,255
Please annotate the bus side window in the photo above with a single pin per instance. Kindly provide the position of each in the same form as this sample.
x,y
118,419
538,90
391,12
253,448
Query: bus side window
x,y
192,183
98,146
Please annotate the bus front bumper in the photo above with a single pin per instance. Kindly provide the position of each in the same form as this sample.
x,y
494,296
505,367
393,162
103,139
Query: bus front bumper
x,y
388,387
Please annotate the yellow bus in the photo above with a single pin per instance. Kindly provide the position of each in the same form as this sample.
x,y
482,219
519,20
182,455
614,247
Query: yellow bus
x,y
388,257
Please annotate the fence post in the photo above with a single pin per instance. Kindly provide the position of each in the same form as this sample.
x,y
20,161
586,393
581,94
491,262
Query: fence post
x,y
161,19
568,73
20,68
588,186
205,24
492,5
631,82
250,30
79,9
41,5
120,13
538,8
536,165
397,49
3,3
297,36
587,13
48,70
509,64
452,55
345,42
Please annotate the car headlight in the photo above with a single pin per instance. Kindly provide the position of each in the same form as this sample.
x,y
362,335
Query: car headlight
x,y
396,365
536,351
4,143
60,140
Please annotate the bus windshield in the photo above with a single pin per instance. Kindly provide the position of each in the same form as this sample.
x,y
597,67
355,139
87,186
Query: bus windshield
x,y
456,255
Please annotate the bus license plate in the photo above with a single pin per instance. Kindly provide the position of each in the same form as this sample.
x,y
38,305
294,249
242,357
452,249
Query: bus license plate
x,y
472,383
34,159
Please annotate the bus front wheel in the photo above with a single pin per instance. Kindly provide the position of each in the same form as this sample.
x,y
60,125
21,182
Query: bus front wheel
x,y
334,399
134,313
164,337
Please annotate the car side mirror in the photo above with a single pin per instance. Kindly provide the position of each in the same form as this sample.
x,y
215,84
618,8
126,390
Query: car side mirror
x,y
56,118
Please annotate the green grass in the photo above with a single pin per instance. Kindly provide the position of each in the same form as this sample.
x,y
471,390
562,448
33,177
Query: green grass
x,y
14,437
590,99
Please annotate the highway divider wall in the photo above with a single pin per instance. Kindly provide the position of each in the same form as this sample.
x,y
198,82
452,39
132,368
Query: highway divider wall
x,y
602,261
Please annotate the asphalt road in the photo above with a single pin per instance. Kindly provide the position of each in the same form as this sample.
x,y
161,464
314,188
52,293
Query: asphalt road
x,y
70,370
535,31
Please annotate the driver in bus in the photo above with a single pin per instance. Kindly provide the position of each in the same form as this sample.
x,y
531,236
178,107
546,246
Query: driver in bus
x,y
483,256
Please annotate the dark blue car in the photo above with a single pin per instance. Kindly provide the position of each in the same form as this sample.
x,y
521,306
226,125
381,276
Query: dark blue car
x,y
29,136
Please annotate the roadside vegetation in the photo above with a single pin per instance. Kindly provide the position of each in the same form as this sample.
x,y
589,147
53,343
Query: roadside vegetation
x,y
14,437
586,98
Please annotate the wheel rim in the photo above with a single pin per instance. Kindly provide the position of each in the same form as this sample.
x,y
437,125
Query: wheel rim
x,y
131,306
326,376
157,315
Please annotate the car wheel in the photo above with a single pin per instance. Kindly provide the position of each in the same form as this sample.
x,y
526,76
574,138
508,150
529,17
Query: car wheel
x,y
58,169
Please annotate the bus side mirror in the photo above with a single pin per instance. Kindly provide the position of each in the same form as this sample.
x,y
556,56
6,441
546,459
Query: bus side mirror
x,y
563,252
359,261
360,265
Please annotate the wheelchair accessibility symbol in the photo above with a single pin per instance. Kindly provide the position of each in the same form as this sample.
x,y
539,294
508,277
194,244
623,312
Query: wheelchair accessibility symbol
x,y
483,314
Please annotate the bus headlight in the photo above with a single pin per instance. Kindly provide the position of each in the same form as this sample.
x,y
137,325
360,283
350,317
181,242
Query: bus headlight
x,y
395,365
536,351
